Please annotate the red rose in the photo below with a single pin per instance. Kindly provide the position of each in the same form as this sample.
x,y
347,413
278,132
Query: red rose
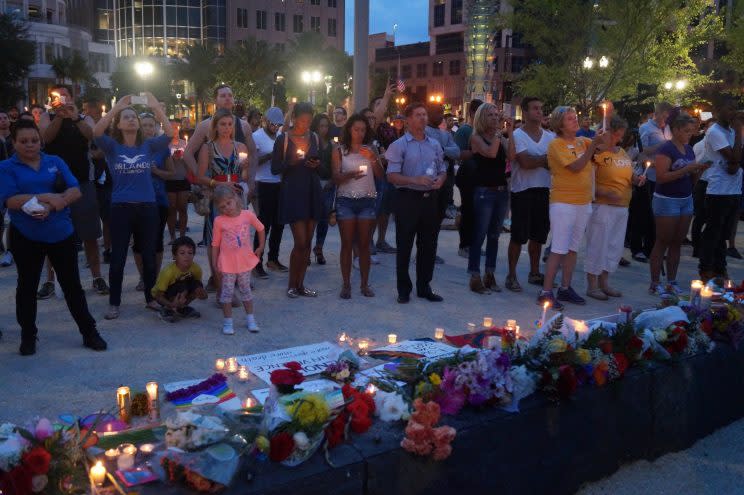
x,y
286,377
360,424
357,409
707,326
37,461
18,480
622,362
335,431
566,381
281,446
606,346
348,391
293,365
680,342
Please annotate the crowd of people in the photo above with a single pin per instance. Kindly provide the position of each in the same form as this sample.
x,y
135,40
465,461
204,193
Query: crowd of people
x,y
69,179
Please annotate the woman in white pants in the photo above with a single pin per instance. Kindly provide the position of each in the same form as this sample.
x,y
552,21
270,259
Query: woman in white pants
x,y
605,234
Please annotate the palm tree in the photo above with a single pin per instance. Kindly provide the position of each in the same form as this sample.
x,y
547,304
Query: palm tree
x,y
248,69
199,68
61,68
75,68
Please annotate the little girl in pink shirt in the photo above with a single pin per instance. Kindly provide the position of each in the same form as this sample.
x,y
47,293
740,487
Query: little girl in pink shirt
x,y
232,256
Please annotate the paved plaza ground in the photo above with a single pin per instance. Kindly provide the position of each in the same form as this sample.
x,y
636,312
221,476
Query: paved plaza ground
x,y
65,377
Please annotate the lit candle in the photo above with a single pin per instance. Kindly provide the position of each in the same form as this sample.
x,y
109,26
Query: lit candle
x,y
728,285
439,333
152,400
186,138
111,455
363,345
392,338
471,327
335,139
219,365
147,448
604,116
343,339
250,402
546,305
371,389
300,154
695,288
98,473
124,403
242,156
706,293
243,374
511,324
487,322
516,331
645,170
126,457
363,169
581,328
232,365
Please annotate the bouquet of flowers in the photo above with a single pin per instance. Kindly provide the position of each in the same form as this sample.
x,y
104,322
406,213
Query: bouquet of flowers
x,y
355,415
42,459
422,437
285,379
344,369
191,431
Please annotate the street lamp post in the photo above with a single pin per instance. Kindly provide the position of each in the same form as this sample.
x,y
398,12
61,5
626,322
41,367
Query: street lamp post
x,y
678,86
144,70
311,79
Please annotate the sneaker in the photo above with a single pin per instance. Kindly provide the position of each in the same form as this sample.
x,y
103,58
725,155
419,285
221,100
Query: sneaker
x,y
451,212
227,328
140,286
463,252
730,252
438,260
95,341
657,290
167,314
250,322
512,284
623,262
476,285
188,312
384,247
274,265
100,286
570,295
673,288
107,256
260,272
112,313
7,259
548,296
46,291
374,259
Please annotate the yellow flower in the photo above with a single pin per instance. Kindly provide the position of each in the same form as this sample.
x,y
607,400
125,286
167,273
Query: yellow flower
x,y
309,410
557,344
583,356
262,443
435,379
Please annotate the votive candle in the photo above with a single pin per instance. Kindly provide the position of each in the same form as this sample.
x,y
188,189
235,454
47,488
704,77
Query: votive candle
x,y
728,285
392,338
250,402
511,324
363,345
243,374
546,305
147,448
126,457
219,365
439,333
300,154
471,327
153,406
371,389
242,156
363,169
111,456
487,322
706,294
232,365
335,139
695,288
124,403
98,473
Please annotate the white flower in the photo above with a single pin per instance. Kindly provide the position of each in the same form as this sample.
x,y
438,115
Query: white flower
x,y
660,335
11,450
390,406
343,374
39,482
301,440
524,384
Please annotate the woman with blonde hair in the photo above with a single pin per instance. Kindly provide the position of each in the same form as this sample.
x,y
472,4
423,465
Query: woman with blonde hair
x,y
219,162
570,164
490,195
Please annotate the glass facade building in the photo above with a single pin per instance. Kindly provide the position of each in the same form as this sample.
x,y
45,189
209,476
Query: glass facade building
x,y
160,27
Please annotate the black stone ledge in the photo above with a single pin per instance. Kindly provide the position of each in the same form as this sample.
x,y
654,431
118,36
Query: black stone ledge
x,y
546,448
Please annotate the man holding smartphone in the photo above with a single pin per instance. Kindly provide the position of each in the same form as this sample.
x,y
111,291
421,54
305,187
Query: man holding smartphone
x,y
67,134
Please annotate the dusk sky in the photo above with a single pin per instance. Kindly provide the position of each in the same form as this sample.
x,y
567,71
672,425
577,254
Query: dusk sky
x,y
411,20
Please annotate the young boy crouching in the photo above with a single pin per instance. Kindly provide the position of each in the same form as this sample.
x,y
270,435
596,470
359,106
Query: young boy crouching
x,y
180,283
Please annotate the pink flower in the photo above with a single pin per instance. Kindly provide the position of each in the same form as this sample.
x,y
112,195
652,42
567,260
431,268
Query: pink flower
x,y
44,429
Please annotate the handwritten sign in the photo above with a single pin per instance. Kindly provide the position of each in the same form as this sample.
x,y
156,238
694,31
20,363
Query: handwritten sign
x,y
320,385
417,349
314,358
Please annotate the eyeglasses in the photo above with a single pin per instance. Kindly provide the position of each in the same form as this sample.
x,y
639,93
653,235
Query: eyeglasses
x,y
146,115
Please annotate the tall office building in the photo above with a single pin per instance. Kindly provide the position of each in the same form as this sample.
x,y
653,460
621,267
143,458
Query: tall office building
x,y
277,22
160,27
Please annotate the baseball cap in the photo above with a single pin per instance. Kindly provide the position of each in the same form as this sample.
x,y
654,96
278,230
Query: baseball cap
x,y
275,115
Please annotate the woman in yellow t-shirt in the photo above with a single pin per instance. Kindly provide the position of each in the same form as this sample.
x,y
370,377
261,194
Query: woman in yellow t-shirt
x,y
614,180
569,160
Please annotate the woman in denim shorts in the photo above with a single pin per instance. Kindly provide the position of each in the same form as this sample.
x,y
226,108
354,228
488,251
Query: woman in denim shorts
x,y
355,165
672,202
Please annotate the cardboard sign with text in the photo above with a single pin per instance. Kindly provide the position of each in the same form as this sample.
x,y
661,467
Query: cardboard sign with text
x,y
313,358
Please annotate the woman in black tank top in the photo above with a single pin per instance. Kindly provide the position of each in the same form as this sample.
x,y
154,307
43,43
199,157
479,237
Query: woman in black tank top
x,y
491,195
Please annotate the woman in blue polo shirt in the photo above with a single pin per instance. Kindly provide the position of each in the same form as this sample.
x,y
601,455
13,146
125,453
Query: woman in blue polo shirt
x,y
31,177
133,204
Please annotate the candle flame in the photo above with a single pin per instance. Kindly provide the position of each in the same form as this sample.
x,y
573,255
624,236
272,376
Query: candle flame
x,y
546,304
371,389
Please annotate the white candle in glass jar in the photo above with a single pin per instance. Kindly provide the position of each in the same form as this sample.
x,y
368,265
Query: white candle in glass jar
x,y
392,338
439,333
219,364
98,473
242,156
487,322
363,169
126,457
243,374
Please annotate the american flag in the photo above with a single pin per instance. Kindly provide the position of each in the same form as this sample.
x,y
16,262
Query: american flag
x,y
401,86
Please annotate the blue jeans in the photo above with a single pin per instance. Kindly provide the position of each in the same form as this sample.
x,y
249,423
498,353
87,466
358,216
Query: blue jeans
x,y
489,210
329,192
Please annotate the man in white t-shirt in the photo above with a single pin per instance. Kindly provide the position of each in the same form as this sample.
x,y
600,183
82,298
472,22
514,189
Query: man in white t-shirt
x,y
723,148
267,189
530,192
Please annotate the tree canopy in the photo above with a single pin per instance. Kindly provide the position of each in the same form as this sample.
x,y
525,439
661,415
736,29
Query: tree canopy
x,y
17,54
645,42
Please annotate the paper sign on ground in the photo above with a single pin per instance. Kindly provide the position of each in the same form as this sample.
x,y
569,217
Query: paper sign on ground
x,y
313,358
309,386
422,348
362,378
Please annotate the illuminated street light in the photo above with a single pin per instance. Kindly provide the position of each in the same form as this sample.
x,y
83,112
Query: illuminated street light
x,y
311,79
680,85
588,63
306,77
604,62
435,98
317,76
144,69
668,85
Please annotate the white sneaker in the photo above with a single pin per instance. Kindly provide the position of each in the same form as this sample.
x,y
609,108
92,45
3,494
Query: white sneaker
x,y
227,328
374,259
6,259
250,322
673,288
